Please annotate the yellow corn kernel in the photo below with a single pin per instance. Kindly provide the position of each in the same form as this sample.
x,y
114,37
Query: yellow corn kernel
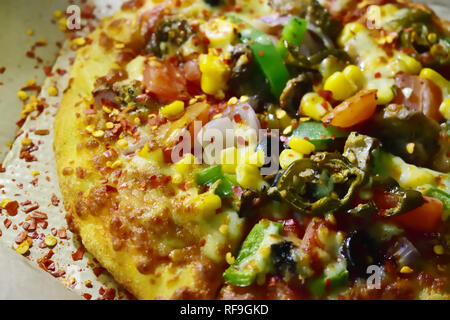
x,y
223,229
408,64
106,109
119,45
243,99
62,23
287,130
280,114
30,82
410,147
57,14
109,125
248,176
173,109
229,258
30,32
122,143
116,164
349,31
23,247
255,158
35,173
228,159
26,141
314,106
384,95
50,241
52,91
185,165
406,269
438,249
341,87
155,155
220,32
208,203
232,100
214,74
22,95
444,108
98,133
79,41
287,156
439,80
301,145
354,74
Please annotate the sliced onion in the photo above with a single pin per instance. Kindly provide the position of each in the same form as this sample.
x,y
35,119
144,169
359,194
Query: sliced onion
x,y
247,114
405,253
222,124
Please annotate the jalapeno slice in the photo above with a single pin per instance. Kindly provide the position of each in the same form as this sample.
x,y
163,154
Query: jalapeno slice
x,y
319,185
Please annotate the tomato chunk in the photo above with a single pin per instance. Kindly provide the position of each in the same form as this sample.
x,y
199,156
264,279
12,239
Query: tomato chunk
x,y
354,110
426,218
421,94
165,81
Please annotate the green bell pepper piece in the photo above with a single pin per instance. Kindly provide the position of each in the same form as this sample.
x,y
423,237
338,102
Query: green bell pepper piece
x,y
318,134
268,58
254,259
293,32
208,176
441,195
332,278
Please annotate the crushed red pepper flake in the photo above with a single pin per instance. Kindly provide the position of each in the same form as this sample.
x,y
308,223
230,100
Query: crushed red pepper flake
x,y
78,255
87,296
11,207
98,271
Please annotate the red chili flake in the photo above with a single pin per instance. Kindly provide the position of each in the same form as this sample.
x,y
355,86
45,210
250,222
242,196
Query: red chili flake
x,y
2,70
261,53
61,72
237,118
55,200
32,208
7,223
87,12
87,296
61,233
78,255
39,215
183,186
327,283
21,237
47,71
34,182
98,271
109,294
11,208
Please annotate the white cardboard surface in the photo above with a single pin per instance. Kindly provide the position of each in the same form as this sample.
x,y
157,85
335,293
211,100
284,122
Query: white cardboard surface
x,y
19,277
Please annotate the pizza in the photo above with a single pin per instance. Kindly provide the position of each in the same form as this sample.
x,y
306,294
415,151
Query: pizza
x,y
255,149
